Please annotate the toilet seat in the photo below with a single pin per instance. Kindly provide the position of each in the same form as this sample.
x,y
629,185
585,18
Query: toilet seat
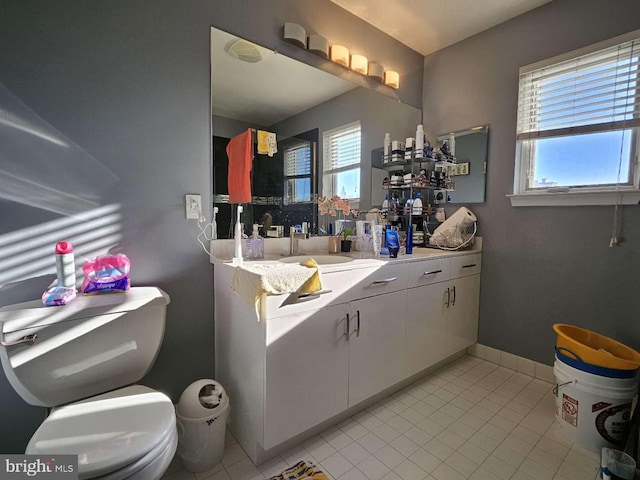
x,y
152,465
114,434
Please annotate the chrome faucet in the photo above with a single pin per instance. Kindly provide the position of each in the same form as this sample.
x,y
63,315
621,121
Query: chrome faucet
x,y
294,236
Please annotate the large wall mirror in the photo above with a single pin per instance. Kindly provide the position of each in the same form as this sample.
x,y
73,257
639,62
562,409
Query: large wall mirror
x,y
471,149
255,88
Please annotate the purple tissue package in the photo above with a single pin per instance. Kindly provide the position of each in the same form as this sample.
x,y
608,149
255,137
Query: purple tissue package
x,y
57,296
106,274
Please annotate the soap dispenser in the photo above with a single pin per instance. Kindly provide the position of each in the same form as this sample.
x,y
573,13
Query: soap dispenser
x,y
255,245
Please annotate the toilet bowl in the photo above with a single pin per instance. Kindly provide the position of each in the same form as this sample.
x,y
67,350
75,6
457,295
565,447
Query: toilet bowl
x,y
115,435
83,356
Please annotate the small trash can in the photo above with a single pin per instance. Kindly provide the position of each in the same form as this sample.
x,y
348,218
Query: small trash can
x,y
201,417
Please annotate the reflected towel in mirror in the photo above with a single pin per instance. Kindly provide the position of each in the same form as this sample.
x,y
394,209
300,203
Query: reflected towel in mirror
x,y
239,151
267,143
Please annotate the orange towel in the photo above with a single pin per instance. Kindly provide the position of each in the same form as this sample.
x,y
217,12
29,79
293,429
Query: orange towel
x,y
239,151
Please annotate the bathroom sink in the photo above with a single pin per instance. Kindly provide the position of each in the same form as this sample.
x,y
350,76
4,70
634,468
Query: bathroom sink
x,y
320,259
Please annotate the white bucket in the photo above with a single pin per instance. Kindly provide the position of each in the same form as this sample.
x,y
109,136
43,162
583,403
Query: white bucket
x,y
593,410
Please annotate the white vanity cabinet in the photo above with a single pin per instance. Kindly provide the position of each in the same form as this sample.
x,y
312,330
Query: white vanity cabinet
x,y
308,359
463,300
306,374
442,313
376,345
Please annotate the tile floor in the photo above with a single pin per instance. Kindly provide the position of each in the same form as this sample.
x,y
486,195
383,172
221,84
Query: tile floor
x,y
472,419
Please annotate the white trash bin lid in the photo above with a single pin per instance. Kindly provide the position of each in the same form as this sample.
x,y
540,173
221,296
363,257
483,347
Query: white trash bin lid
x,y
201,400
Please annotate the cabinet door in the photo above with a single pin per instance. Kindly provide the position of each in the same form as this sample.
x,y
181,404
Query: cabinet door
x,y
376,349
426,326
306,371
462,314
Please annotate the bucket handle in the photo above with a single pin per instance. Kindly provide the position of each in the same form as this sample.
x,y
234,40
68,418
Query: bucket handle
x,y
564,351
557,386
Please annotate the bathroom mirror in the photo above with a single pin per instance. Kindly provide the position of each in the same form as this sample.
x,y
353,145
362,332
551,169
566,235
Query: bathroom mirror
x,y
255,88
471,151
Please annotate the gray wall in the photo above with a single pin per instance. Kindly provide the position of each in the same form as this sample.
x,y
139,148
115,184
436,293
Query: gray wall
x,y
540,265
377,115
229,127
128,82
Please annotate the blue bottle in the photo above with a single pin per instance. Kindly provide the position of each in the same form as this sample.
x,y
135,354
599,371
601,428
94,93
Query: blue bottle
x,y
409,242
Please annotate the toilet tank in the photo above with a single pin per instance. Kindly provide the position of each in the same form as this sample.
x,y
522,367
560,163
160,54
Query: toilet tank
x,y
90,346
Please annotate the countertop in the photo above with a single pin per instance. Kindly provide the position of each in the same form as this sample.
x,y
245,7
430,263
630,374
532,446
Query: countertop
x,y
352,260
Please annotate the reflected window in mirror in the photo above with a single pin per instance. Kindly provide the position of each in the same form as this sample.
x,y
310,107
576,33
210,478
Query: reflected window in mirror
x,y
297,171
471,152
341,162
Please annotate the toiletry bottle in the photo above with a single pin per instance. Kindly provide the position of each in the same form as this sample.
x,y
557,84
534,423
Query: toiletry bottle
x,y
417,205
255,245
408,206
65,265
419,148
387,148
409,241
408,147
385,203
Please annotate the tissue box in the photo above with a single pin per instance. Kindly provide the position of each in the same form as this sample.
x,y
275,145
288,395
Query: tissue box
x,y
106,274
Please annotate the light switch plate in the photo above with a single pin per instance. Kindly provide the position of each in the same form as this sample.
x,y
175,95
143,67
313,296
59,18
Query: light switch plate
x,y
193,206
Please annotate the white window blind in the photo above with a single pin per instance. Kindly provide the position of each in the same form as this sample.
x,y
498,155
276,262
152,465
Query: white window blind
x,y
578,126
297,159
342,148
595,92
297,171
341,162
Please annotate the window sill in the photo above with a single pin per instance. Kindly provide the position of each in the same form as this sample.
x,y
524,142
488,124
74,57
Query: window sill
x,y
574,198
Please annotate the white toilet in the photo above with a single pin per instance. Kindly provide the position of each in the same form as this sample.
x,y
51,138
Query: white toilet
x,y
83,359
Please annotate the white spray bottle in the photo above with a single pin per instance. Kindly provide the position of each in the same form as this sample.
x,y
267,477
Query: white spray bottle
x,y
237,257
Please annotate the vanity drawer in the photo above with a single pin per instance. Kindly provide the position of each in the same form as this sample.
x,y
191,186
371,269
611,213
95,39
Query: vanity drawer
x,y
466,265
335,290
368,282
428,271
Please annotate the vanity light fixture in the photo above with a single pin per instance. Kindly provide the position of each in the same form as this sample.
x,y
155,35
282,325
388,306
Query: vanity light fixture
x,y
359,64
294,33
340,54
392,79
319,45
297,35
376,71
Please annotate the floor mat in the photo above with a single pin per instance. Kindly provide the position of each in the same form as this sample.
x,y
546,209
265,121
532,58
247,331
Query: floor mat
x,y
300,471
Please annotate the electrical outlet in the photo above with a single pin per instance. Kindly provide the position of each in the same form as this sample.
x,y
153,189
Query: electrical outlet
x,y
193,206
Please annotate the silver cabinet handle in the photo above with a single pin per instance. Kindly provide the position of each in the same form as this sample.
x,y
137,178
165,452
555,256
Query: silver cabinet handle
x,y
448,297
304,297
469,266
27,340
386,280
314,294
347,333
358,323
453,302
432,272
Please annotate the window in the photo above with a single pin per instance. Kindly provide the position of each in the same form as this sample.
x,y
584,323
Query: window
x,y
297,171
341,165
577,129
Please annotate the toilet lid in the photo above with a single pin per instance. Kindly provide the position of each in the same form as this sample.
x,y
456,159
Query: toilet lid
x,y
107,431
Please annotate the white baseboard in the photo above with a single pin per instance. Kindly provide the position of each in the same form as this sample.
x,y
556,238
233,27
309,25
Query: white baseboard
x,y
513,362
